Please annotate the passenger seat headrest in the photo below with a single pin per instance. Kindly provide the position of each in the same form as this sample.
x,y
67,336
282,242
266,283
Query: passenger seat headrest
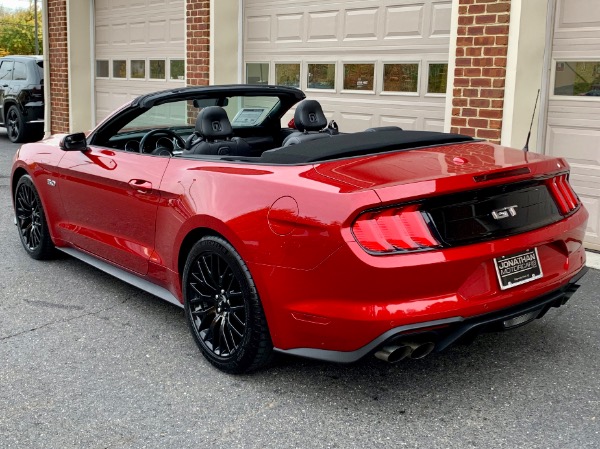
x,y
309,116
212,123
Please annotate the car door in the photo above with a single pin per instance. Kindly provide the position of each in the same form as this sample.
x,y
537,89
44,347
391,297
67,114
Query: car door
x,y
111,199
5,79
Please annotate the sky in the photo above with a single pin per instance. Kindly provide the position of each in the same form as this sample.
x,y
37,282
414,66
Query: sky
x,y
17,3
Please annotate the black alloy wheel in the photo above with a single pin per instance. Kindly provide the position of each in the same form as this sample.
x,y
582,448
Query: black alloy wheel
x,y
15,125
223,309
31,220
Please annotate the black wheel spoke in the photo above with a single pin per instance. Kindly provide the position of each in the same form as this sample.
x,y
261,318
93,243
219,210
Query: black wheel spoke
x,y
217,304
28,217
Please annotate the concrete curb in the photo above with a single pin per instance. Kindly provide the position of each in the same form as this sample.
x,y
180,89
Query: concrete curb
x,y
592,260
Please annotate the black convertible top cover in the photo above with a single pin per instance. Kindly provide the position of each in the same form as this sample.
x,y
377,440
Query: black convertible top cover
x,y
358,144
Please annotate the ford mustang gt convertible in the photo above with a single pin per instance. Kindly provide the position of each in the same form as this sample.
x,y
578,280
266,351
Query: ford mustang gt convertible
x,y
308,240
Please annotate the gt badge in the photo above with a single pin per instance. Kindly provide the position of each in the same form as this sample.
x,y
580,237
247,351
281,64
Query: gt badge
x,y
505,212
51,182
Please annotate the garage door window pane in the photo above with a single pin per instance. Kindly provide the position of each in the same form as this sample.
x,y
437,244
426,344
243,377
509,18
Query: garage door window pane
x,y
577,78
102,69
257,73
287,75
138,68
177,69
438,77
321,76
119,69
157,69
401,78
359,76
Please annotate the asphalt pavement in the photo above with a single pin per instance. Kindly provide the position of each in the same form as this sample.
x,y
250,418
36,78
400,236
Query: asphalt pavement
x,y
87,361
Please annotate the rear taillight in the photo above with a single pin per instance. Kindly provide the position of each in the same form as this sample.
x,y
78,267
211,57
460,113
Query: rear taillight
x,y
563,194
398,229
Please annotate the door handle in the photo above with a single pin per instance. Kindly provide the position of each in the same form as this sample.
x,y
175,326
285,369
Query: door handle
x,y
5,85
140,185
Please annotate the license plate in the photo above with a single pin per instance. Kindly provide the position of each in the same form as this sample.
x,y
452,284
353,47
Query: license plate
x,y
518,269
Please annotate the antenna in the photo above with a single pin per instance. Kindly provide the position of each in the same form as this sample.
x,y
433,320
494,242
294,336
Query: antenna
x,y
526,147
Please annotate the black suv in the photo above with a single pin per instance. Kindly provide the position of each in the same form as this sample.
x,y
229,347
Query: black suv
x,y
22,97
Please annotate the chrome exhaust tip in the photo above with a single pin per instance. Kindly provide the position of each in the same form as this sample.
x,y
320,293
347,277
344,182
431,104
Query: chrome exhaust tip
x,y
393,354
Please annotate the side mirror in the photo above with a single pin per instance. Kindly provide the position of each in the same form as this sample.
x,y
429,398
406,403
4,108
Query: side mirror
x,y
74,142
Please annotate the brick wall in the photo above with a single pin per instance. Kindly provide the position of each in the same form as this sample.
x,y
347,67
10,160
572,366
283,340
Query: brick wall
x,y
59,69
197,42
480,74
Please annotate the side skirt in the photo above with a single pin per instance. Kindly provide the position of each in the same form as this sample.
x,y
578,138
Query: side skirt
x,y
123,275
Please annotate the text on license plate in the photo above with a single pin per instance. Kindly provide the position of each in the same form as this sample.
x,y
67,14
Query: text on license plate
x,y
518,269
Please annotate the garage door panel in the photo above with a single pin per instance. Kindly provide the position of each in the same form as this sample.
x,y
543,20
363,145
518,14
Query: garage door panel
x,y
573,123
441,19
323,26
136,30
579,145
404,21
409,123
353,36
361,24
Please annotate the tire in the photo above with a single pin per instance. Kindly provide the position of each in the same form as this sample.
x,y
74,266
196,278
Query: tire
x,y
15,125
223,309
31,221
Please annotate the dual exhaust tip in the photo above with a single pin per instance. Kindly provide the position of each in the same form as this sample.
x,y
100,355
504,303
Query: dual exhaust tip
x,y
397,353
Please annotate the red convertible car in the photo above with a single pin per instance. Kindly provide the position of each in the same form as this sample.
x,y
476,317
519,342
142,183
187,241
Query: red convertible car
x,y
307,241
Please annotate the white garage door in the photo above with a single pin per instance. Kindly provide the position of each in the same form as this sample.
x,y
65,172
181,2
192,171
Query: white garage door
x,y
369,63
140,48
573,128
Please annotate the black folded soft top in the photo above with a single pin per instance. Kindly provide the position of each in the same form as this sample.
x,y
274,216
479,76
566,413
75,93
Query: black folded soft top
x,y
358,144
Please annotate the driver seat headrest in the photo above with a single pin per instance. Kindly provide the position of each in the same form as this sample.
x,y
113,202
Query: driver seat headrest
x,y
212,123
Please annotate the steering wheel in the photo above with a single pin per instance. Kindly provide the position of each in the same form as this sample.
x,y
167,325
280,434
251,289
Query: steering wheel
x,y
166,132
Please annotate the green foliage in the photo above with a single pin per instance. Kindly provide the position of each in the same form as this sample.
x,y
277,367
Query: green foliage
x,y
17,31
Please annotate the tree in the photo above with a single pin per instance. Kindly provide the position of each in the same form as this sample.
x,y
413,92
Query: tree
x,y
17,31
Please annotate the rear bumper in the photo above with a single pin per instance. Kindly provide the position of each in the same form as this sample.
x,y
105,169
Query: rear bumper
x,y
447,331
352,299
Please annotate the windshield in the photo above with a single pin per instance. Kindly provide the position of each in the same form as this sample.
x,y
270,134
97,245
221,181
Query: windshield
x,y
242,111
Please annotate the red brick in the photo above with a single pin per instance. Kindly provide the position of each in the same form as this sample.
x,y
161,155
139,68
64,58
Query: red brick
x,y
476,9
461,82
475,30
494,51
473,72
496,29
483,62
473,51
498,7
466,20
481,82
492,93
469,112
470,93
485,19
479,103
490,113
492,134
457,121
494,72
482,41
463,62
478,123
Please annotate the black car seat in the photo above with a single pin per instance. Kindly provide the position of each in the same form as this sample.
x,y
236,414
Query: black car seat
x,y
310,123
214,135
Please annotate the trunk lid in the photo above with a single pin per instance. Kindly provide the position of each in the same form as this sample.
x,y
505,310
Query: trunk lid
x,y
424,172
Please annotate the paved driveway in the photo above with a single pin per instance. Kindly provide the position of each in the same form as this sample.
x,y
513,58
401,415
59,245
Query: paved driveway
x,y
87,361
